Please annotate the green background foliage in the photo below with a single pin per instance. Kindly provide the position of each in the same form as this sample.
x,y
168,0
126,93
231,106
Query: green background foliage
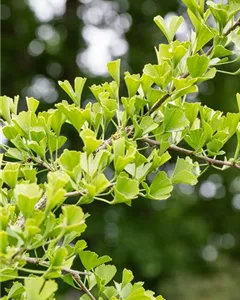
x,y
190,241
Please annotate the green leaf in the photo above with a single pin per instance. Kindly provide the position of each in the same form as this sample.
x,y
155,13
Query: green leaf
x,y
100,183
191,111
5,105
79,246
110,292
147,125
114,70
89,139
160,187
238,100
185,172
146,83
174,51
109,107
59,257
10,174
160,74
78,86
54,189
159,159
8,274
126,189
174,24
27,195
4,241
193,6
127,277
79,83
75,115
32,104
120,158
10,132
58,118
55,143
214,147
69,280
91,260
66,86
85,297
196,138
221,13
69,159
38,289
132,82
183,87
174,119
16,290
74,218
220,51
105,273
204,35
197,65
39,148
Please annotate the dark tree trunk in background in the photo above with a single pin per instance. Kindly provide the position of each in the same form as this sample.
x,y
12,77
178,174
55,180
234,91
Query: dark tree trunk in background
x,y
73,42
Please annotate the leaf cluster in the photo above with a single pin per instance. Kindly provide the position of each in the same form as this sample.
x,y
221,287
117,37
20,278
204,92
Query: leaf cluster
x,y
39,227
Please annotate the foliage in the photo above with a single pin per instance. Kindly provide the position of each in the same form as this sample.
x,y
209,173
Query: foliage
x,y
39,227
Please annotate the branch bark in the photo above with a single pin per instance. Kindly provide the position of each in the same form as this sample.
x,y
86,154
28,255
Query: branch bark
x,y
184,151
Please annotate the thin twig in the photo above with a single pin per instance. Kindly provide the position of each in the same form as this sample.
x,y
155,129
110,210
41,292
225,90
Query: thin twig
x,y
83,286
104,145
184,151
232,28
42,163
184,75
36,261
75,274
159,103
208,53
128,130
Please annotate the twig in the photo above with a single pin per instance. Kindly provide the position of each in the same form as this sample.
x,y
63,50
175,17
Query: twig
x,y
159,103
104,145
42,163
225,34
36,261
184,75
76,274
128,130
83,286
232,27
184,151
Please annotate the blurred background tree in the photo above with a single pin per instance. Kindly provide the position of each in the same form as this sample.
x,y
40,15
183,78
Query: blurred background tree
x,y
184,248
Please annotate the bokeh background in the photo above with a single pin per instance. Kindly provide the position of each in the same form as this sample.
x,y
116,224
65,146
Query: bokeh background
x,y
184,248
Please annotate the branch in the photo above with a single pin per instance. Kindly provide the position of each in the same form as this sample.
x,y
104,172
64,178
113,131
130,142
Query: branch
x,y
184,151
104,145
233,27
184,75
128,130
42,163
159,103
75,274
83,286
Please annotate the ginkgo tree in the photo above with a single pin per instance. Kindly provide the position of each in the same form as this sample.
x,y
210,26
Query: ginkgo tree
x,y
131,135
